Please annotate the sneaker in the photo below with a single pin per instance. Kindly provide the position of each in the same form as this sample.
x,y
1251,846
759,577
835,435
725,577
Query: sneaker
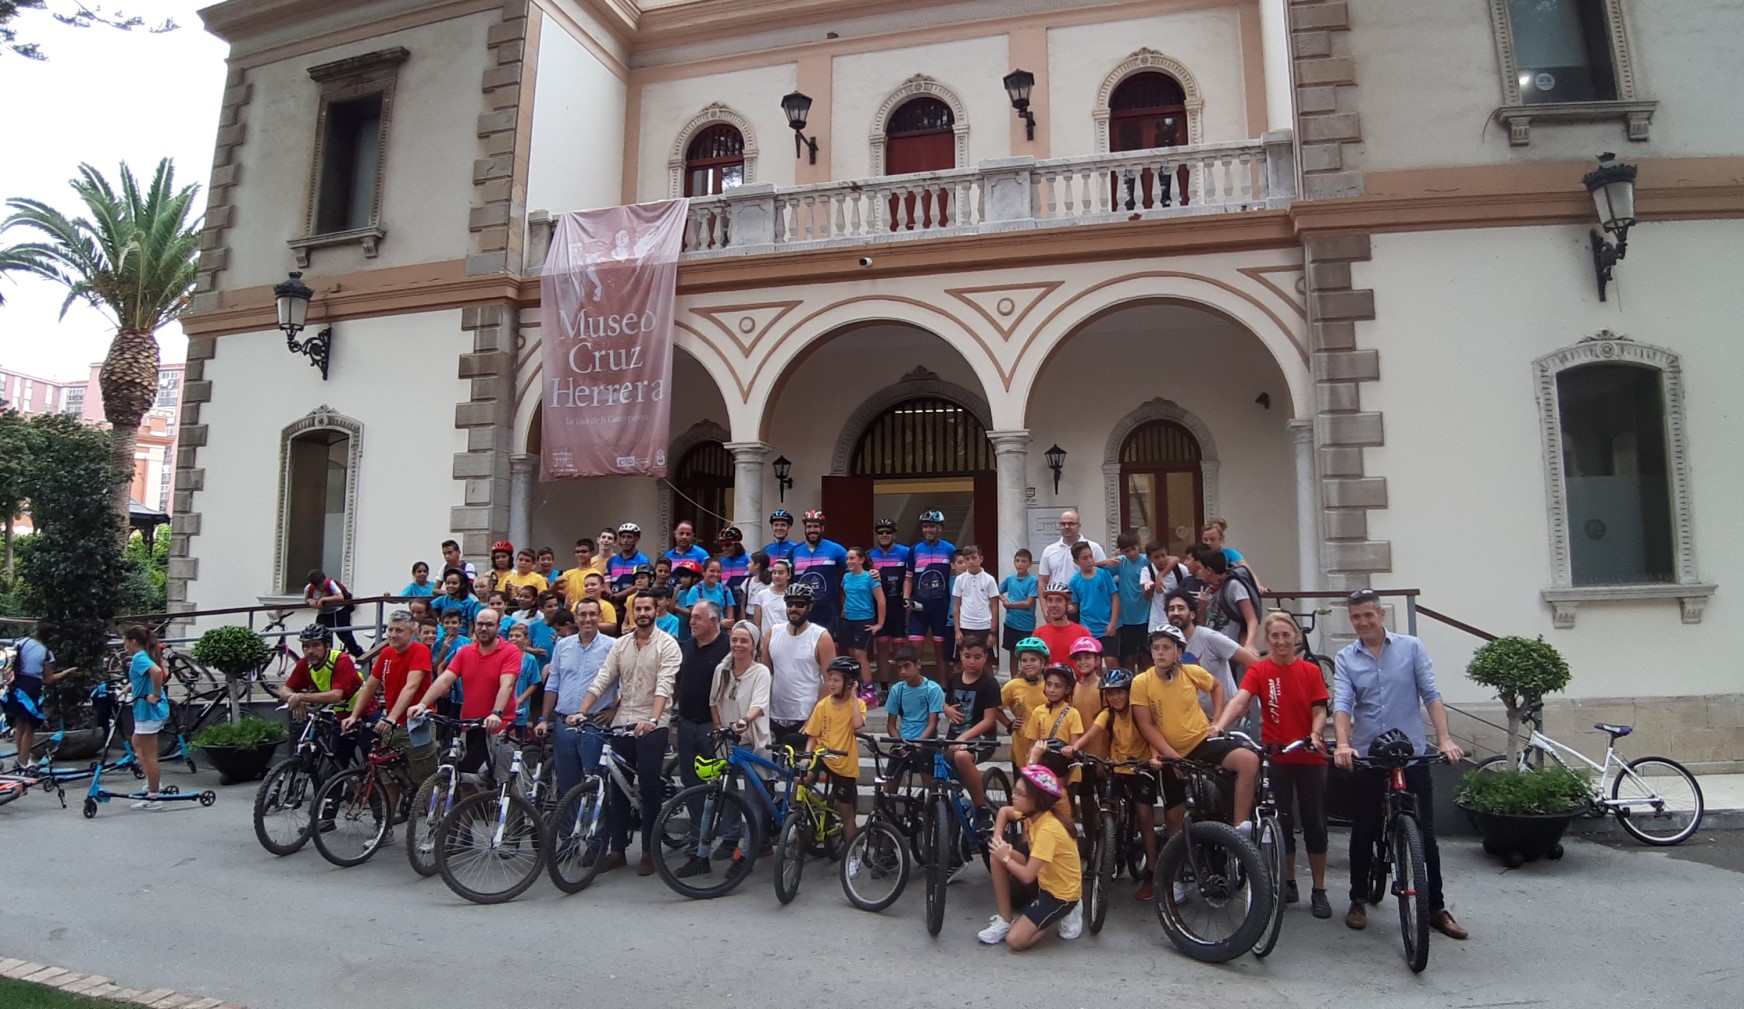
x,y
695,867
984,820
1318,903
958,873
150,802
1145,893
388,836
995,932
1072,925
1291,894
853,869
1357,917
1245,829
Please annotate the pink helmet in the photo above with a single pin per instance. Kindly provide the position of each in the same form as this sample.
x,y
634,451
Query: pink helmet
x,y
1086,644
1043,779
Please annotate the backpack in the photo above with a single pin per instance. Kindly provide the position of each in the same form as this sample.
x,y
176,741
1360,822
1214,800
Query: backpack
x,y
1230,611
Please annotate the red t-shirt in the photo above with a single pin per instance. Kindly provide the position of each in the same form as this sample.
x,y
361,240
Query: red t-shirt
x,y
1059,640
481,676
1287,695
345,678
393,668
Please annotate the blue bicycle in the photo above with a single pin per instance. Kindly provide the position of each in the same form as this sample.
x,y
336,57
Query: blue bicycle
x,y
947,836
717,822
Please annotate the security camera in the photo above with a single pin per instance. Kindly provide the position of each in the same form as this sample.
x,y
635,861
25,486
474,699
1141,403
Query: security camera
x,y
865,260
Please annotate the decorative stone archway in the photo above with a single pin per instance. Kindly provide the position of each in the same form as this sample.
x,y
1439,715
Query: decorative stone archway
x,y
920,84
696,434
322,418
1156,409
1140,62
709,116
919,382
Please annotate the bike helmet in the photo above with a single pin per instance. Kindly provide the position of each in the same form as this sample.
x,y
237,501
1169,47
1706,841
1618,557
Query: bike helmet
x,y
845,665
798,592
1032,644
688,565
1057,589
814,515
934,516
1171,631
629,529
730,534
781,515
1070,674
315,632
643,569
710,768
1115,679
502,547
1043,779
1086,644
884,526
1393,744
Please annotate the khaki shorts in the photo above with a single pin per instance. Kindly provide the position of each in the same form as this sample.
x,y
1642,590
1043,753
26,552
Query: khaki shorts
x,y
420,760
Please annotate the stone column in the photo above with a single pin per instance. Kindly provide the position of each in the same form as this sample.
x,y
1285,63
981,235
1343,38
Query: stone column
x,y
1307,505
1278,60
748,461
523,475
1011,457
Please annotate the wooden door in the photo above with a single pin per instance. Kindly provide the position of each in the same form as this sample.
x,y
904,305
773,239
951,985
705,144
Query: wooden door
x,y
920,137
987,522
847,504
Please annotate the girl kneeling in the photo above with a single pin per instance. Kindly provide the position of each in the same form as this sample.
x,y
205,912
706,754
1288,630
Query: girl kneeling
x,y
1048,879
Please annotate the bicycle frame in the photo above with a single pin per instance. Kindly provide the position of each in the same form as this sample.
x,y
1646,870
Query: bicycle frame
x,y
1613,767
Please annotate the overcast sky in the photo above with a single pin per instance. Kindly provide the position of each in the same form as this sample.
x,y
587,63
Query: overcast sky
x,y
102,97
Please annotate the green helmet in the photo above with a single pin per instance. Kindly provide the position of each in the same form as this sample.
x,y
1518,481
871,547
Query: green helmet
x,y
1032,644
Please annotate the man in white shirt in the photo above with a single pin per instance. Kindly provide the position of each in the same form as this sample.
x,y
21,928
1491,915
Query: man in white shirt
x,y
1057,564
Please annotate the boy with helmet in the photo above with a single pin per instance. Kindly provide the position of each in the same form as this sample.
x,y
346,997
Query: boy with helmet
x,y
820,563
621,569
779,547
1117,725
926,591
834,720
1056,629
1165,699
888,560
1022,694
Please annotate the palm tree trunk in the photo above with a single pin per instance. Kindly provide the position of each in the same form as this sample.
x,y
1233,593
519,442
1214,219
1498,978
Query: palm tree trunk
x,y
128,379
9,571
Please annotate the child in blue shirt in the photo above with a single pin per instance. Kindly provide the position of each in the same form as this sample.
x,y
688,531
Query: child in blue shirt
x,y
527,685
712,589
1018,597
1098,598
915,707
150,707
1134,572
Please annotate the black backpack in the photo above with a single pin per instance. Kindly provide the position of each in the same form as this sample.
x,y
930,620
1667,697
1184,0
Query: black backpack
x,y
1230,611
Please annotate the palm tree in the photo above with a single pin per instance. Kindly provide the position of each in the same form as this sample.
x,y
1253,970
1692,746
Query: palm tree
x,y
133,259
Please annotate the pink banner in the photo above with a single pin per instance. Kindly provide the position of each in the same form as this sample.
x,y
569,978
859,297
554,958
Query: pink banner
x,y
606,307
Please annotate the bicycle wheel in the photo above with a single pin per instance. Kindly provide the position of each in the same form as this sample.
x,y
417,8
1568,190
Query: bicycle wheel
x,y
938,833
354,806
282,806
1411,884
1226,899
684,847
1099,875
1327,669
875,866
1666,803
1271,846
790,846
490,847
1380,870
424,820
997,786
577,832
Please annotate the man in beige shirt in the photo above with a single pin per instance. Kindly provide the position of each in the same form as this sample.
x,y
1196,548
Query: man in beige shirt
x,y
644,665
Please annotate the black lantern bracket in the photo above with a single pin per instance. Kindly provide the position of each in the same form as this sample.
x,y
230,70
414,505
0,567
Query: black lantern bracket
x,y
1612,187
797,107
1056,457
783,475
317,348
292,298
1018,85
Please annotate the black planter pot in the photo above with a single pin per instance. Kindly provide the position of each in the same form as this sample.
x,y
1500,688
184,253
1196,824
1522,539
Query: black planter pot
x,y
1521,838
236,764
76,745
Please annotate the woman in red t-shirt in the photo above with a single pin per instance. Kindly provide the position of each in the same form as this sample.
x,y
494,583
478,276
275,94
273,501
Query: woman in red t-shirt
x,y
1293,705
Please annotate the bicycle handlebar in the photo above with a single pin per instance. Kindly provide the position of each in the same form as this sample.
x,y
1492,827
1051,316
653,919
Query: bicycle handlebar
x,y
1388,763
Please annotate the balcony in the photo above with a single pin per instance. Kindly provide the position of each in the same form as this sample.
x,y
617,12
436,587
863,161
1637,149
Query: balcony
x,y
1011,194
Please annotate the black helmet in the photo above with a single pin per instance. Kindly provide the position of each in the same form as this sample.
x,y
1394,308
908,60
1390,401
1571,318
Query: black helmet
x,y
798,592
934,517
315,632
1115,679
848,667
730,534
781,515
884,526
643,569
1393,744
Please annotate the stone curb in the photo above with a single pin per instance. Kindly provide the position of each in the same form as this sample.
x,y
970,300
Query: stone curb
x,y
97,986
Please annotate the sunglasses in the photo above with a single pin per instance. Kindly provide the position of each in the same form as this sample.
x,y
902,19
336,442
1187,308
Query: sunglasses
x,y
1361,596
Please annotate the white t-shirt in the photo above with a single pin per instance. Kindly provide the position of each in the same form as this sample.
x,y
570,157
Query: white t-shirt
x,y
772,611
976,591
1057,564
1211,652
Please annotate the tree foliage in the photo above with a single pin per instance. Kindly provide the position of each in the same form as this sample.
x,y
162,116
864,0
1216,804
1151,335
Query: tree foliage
x,y
1522,671
75,13
233,650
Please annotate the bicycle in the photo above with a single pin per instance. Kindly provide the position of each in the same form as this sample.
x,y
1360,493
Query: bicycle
x,y
1268,833
496,840
578,825
435,798
1656,799
1400,841
282,803
1219,874
1118,845
715,817
355,803
875,863
1306,622
812,825
949,837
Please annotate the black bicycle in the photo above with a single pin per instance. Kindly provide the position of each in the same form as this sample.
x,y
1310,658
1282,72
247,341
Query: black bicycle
x,y
284,802
875,864
1268,833
1306,622
1119,842
1213,893
1398,854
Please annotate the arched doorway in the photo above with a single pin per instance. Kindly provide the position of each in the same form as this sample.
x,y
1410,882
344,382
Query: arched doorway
x,y
702,490
1162,492
1146,111
920,137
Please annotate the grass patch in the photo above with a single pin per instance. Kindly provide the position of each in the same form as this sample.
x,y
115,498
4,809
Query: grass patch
x,y
23,995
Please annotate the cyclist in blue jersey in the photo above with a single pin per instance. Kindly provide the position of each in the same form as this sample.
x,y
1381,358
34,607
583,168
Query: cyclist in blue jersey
x,y
621,569
820,563
735,565
780,548
684,545
889,561
926,591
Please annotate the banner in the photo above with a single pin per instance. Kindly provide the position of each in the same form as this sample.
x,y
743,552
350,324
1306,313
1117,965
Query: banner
x,y
605,315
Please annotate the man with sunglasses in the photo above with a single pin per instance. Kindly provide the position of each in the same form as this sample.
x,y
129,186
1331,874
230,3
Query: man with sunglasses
x,y
1382,680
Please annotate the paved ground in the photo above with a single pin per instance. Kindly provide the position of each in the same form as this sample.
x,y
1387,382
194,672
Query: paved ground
x,y
186,899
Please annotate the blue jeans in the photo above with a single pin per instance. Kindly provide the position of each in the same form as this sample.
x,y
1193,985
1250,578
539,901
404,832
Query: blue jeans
x,y
578,754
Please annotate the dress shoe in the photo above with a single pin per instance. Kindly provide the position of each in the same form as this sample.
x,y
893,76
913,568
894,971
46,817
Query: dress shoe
x,y
1442,921
645,867
1356,917
612,860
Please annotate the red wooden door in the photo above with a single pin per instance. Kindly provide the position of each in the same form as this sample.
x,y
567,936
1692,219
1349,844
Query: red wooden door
x,y
847,503
987,522
920,138
1147,111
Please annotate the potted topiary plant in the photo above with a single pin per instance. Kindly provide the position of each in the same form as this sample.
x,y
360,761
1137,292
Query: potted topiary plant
x,y
234,651
1521,811
240,750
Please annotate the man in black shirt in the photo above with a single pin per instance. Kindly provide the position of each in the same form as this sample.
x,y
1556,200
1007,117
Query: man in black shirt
x,y
972,706
701,654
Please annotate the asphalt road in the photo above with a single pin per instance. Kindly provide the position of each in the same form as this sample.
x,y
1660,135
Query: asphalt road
x,y
186,899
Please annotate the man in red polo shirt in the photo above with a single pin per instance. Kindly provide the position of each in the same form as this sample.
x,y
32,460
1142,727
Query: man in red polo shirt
x,y
400,672
487,669
1059,631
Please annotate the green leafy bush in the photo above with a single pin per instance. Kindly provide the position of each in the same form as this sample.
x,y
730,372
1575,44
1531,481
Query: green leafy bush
x,y
248,732
233,651
1552,789
1522,671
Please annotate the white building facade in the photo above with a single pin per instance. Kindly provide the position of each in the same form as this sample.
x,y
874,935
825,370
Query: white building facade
x,y
1319,268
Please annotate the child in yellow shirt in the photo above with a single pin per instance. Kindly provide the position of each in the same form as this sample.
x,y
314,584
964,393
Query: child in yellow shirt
x,y
1116,726
1047,880
832,725
1021,695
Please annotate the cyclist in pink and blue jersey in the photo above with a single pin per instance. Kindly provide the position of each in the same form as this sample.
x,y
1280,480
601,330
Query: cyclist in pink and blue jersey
x,y
780,548
927,589
735,565
889,561
820,563
621,569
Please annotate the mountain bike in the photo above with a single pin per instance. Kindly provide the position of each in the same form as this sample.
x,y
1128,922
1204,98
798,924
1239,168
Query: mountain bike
x,y
1268,834
1118,845
717,821
1398,854
949,836
356,804
284,802
1655,799
491,846
1213,893
577,826
875,863
813,825
1306,622
436,795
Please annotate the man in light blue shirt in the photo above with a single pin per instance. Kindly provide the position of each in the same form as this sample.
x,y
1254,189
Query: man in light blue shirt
x,y
1381,680
576,659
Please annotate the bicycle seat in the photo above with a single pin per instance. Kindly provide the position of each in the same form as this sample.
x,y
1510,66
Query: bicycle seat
x,y
1615,730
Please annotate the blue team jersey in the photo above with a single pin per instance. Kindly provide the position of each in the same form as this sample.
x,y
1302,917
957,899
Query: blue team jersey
x,y
780,550
821,567
695,553
621,570
1019,590
1133,609
891,567
930,564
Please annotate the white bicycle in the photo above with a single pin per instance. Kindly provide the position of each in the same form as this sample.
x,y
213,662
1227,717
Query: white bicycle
x,y
1656,799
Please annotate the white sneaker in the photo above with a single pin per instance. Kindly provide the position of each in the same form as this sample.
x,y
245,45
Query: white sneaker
x,y
995,932
853,867
1245,829
1072,925
957,873
150,802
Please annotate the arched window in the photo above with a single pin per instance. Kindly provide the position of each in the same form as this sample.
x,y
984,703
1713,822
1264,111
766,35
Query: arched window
x,y
703,489
920,137
925,436
317,497
1162,490
715,161
1147,110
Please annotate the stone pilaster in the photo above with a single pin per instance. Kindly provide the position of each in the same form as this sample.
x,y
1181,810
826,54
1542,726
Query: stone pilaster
x,y
488,419
226,173
1327,123
190,478
505,128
